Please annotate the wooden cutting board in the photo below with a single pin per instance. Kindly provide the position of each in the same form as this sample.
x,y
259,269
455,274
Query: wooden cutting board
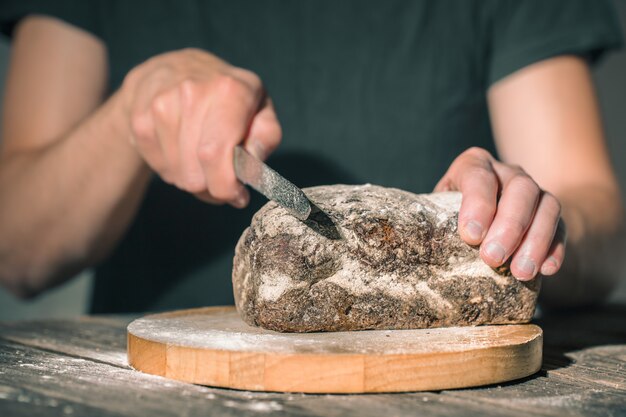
x,y
213,346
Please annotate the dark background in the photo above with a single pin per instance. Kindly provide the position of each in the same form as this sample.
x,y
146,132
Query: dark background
x,y
610,76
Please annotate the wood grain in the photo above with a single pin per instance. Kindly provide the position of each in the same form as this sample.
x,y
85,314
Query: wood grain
x,y
100,338
37,383
582,375
212,346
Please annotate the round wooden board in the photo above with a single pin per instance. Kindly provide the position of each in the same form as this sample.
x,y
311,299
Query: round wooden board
x,y
213,346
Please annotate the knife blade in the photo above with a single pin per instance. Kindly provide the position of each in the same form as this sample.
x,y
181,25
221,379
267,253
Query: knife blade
x,y
255,173
271,184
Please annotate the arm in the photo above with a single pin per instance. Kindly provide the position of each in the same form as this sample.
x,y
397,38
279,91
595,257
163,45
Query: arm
x,y
73,168
554,164
545,119
69,182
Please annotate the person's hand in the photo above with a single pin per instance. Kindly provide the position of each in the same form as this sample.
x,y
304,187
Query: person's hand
x,y
188,110
507,214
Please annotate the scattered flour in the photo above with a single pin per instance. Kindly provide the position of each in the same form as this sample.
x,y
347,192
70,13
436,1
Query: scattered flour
x,y
226,331
351,277
471,269
260,406
272,287
447,202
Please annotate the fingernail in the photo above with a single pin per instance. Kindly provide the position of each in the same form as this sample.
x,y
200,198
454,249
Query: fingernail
x,y
495,251
474,230
550,266
527,267
258,150
242,198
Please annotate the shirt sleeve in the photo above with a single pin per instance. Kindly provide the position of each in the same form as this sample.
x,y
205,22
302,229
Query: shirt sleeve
x,y
79,13
526,31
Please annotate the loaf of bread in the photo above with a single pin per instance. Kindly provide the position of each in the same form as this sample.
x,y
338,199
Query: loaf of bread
x,y
398,263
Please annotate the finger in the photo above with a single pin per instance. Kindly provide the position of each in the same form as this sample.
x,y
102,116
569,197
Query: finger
x,y
144,136
207,198
166,112
226,123
192,177
265,132
515,212
444,184
556,253
473,175
534,247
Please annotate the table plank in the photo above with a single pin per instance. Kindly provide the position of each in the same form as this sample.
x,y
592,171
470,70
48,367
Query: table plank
x,y
583,371
557,395
598,366
98,338
36,382
79,367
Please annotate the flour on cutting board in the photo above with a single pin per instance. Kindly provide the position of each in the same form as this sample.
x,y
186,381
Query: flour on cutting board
x,y
226,331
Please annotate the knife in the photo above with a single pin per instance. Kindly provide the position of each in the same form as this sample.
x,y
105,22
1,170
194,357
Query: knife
x,y
255,173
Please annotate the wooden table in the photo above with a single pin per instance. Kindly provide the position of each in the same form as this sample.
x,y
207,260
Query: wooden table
x,y
78,368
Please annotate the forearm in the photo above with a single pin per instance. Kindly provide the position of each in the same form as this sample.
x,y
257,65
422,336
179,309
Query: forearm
x,y
595,245
64,205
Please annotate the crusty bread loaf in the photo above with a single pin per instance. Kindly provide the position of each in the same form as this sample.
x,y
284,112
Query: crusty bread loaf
x,y
400,264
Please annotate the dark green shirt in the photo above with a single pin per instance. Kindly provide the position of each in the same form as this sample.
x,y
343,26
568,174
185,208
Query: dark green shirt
x,y
386,92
